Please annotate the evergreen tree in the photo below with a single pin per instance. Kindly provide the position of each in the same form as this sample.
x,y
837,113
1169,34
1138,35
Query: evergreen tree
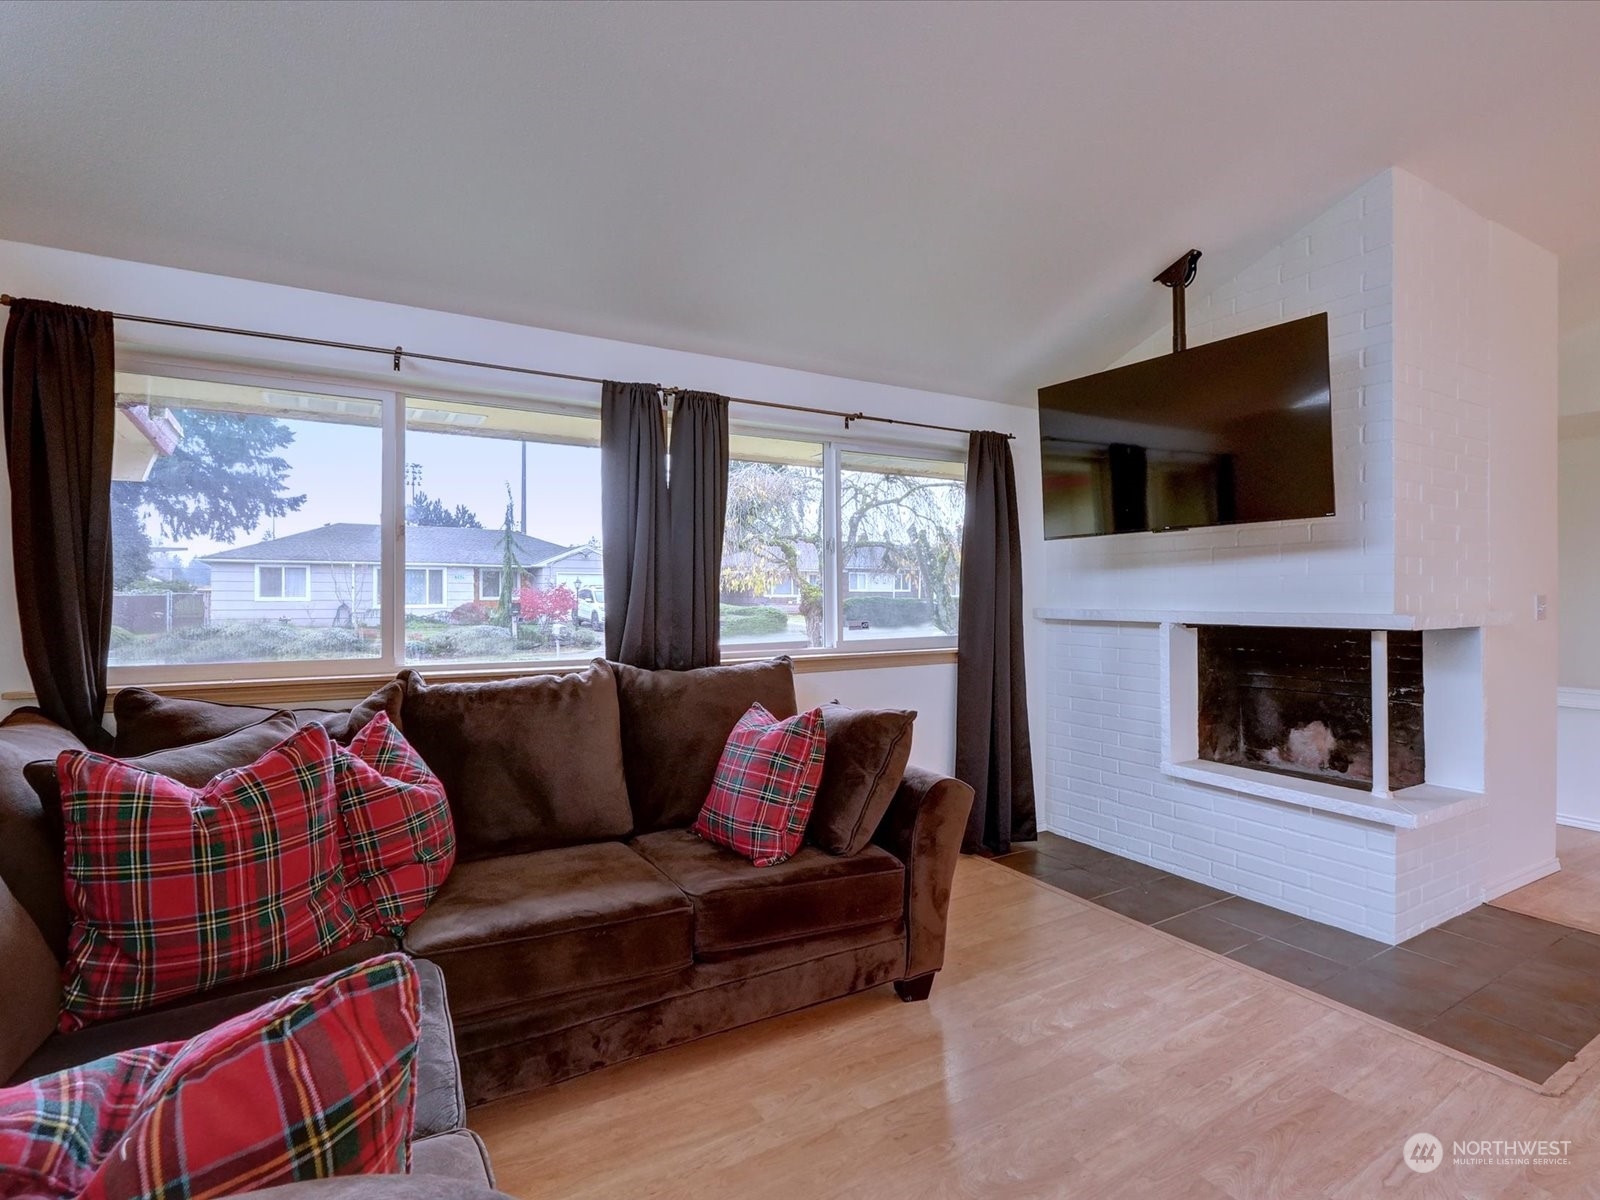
x,y
221,480
425,510
130,544
510,568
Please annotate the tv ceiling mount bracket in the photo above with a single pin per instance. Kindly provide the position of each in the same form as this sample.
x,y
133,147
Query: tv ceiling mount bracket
x,y
1178,277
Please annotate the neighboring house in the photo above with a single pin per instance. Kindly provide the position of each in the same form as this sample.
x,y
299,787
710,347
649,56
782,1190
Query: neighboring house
x,y
577,566
866,574
329,576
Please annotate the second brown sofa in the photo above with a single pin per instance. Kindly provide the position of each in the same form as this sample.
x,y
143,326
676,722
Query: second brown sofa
x,y
583,924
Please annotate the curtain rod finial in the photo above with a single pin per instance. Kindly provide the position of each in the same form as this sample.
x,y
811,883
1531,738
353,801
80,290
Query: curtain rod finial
x,y
6,299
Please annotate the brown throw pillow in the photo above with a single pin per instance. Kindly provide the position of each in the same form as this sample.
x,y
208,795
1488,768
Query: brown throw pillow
x,y
343,724
194,765
675,724
147,722
528,763
867,754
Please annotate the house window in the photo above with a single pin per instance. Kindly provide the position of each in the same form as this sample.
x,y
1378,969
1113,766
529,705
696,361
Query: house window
x,y
493,488
283,583
275,527
238,506
773,536
891,573
900,523
424,586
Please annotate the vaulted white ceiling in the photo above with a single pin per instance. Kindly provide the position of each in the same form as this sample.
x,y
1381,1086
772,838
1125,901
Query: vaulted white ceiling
x,y
965,197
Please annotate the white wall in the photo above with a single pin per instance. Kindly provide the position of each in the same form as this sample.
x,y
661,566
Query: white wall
x,y
130,287
1578,723
1476,408
1578,758
1579,478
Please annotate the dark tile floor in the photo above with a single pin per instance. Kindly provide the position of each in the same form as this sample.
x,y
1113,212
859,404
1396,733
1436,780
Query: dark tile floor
x,y
1509,989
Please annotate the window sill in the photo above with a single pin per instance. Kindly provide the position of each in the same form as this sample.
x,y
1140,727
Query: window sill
x,y
313,689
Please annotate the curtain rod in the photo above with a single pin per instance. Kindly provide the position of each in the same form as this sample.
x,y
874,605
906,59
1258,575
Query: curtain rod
x,y
397,353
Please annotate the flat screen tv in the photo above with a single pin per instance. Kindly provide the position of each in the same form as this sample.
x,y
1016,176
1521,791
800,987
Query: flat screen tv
x,y
1225,433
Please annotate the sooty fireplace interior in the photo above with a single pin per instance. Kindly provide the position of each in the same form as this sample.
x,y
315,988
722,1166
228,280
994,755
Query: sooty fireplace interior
x,y
1299,702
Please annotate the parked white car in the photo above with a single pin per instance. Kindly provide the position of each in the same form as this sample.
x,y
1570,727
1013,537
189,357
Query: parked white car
x,y
591,610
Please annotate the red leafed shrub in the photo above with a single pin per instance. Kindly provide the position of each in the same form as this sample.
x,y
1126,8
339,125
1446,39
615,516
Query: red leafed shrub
x,y
548,604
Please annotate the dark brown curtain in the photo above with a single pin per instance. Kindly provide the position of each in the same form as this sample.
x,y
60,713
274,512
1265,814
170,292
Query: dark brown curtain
x,y
633,521
697,503
993,751
60,408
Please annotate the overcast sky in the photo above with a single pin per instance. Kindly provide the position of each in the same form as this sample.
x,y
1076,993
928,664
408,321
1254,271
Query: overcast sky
x,y
338,468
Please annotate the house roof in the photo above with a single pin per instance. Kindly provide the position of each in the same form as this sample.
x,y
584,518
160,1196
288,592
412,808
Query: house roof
x,y
569,552
348,542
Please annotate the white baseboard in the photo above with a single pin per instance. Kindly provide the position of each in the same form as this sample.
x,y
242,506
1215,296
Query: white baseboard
x,y
1521,879
1578,822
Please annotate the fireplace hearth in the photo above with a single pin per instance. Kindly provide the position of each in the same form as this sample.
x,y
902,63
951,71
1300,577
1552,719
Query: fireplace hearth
x,y
1298,702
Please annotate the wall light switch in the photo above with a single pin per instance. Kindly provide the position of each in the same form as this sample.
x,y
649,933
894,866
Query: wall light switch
x,y
1541,607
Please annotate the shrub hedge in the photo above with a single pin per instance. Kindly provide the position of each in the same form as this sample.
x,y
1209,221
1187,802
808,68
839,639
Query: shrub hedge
x,y
888,612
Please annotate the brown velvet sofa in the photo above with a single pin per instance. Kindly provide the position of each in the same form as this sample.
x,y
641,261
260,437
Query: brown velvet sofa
x,y
582,923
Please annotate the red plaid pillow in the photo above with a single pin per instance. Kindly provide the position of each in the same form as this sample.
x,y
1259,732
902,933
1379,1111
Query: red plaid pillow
x,y
319,1083
765,785
399,843
174,890
56,1129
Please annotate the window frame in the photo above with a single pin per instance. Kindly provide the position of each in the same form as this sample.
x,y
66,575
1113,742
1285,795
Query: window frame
x,y
835,638
283,596
388,575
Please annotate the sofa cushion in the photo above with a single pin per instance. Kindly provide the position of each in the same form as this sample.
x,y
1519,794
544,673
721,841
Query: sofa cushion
x,y
868,750
175,890
30,986
509,930
30,860
765,785
675,725
738,906
147,722
528,764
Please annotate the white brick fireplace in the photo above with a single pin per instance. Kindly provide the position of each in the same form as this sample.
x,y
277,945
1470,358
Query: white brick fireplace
x,y
1443,347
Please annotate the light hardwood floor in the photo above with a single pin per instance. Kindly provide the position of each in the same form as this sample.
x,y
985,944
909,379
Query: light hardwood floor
x,y
1570,896
1066,1051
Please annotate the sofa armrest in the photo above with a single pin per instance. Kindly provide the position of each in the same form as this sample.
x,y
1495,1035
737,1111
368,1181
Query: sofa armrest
x,y
923,829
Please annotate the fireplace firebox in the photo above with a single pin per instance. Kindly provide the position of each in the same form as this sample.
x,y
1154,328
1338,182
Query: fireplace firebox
x,y
1298,702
